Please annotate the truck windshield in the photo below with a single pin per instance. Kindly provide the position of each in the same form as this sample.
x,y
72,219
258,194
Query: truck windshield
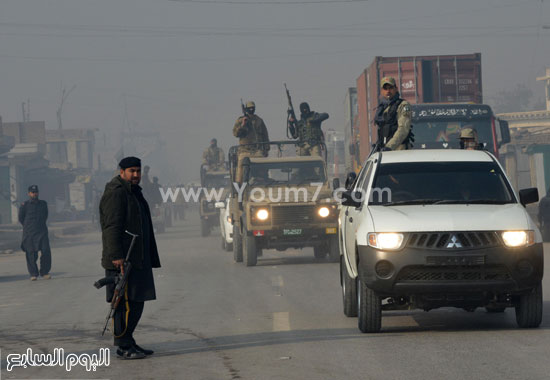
x,y
440,183
217,180
434,134
276,173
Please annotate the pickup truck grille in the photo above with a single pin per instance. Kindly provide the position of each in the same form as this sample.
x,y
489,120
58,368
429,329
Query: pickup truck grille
x,y
293,214
454,240
454,273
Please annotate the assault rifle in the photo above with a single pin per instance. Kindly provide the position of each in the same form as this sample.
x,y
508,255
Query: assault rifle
x,y
120,281
290,125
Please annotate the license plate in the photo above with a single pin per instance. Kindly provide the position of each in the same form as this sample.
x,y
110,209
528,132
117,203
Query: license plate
x,y
296,231
455,260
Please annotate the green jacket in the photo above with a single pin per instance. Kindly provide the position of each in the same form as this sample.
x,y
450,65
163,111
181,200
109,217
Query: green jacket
x,y
308,129
118,212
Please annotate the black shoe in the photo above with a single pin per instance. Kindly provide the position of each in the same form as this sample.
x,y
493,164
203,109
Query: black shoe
x,y
143,350
129,353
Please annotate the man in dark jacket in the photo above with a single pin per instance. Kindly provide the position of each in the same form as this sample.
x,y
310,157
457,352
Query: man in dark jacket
x,y
544,216
33,215
123,208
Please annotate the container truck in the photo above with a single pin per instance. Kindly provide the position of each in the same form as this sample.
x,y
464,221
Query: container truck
x,y
445,93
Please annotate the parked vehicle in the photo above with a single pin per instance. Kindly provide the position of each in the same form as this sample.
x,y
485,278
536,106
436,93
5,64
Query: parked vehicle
x,y
432,228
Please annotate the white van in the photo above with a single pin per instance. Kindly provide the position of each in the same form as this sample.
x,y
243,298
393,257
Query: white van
x,y
435,228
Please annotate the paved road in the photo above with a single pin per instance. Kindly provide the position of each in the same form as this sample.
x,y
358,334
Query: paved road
x,y
283,319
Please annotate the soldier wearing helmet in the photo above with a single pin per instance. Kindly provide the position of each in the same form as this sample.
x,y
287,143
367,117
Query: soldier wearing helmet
x,y
468,138
250,129
213,156
393,118
308,131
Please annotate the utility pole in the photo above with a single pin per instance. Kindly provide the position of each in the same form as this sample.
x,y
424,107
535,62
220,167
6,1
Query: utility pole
x,y
547,79
64,96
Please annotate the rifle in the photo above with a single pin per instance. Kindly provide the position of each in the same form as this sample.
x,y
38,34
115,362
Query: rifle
x,y
120,281
243,108
290,126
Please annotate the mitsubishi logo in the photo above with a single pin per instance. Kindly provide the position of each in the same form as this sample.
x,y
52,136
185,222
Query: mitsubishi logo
x,y
454,243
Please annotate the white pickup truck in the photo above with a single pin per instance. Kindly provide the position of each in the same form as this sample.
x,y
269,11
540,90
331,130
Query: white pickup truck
x,y
435,228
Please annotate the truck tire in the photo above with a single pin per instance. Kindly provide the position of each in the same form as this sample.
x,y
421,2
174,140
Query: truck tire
x,y
237,245
319,252
334,250
529,308
369,309
349,291
205,228
250,252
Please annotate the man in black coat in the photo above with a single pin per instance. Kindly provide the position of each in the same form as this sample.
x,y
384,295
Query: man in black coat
x,y
33,215
123,208
544,216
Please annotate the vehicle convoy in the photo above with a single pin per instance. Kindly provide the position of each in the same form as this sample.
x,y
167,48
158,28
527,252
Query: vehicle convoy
x,y
212,182
287,203
445,93
425,229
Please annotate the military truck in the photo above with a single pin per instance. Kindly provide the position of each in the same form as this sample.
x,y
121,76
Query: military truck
x,y
212,182
283,203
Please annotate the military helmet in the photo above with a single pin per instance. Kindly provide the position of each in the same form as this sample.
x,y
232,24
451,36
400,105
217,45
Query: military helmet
x,y
250,104
468,133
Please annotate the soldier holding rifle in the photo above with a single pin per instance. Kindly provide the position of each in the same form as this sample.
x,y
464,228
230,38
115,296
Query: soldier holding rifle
x,y
123,208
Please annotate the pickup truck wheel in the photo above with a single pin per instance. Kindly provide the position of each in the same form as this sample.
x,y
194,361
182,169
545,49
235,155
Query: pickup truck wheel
x,y
237,245
205,228
250,252
349,292
334,250
319,252
529,308
369,309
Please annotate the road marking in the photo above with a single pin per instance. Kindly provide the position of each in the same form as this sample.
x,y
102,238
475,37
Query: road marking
x,y
281,321
277,284
11,304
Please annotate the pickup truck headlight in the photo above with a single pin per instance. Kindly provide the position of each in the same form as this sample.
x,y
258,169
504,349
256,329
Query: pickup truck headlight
x,y
323,212
385,240
262,214
516,239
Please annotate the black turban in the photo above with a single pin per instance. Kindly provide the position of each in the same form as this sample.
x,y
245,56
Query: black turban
x,y
129,162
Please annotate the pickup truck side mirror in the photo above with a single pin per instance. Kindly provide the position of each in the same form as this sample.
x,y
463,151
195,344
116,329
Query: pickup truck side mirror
x,y
350,179
352,198
335,183
527,196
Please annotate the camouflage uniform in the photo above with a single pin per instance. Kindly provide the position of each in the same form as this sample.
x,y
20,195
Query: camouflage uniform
x,y
250,132
404,116
310,135
213,157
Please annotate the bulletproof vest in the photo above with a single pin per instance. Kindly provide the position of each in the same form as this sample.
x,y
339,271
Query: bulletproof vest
x,y
310,130
387,129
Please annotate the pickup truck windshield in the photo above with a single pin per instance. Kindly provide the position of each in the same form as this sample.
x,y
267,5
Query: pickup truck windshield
x,y
440,183
436,134
277,173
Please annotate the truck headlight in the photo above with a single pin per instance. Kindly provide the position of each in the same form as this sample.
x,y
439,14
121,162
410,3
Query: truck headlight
x,y
385,240
323,212
515,239
262,214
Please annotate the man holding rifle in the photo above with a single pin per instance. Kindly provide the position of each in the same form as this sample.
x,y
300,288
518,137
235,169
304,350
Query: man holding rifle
x,y
123,208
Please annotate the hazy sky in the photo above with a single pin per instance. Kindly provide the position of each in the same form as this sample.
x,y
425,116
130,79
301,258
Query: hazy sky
x,y
183,66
